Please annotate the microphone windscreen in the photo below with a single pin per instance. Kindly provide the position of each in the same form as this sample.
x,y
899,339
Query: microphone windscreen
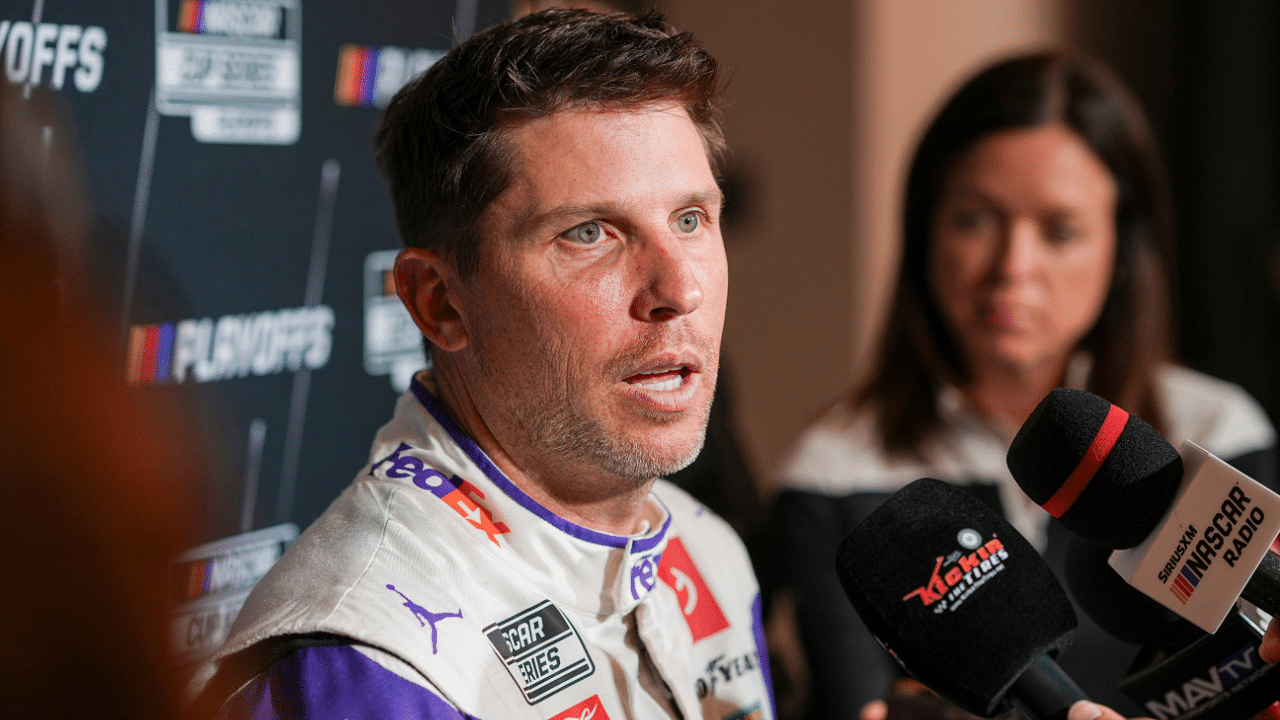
x,y
962,600
1107,475
1115,605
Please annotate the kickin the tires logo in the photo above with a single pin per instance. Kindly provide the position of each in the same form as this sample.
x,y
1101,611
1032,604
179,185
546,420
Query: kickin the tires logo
x,y
958,575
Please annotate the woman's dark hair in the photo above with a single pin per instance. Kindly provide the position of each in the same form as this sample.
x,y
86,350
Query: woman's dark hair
x,y
1132,336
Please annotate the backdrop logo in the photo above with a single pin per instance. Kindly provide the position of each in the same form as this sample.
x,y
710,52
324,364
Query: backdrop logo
x,y
209,584
66,51
368,75
234,67
234,346
236,566
232,19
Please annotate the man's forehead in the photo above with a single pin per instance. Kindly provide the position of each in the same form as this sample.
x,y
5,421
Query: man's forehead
x,y
584,157
574,125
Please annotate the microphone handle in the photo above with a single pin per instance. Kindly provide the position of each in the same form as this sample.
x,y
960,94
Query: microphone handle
x,y
1263,588
1044,691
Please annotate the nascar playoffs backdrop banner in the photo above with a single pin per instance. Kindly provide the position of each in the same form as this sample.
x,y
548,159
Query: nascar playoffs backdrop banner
x,y
244,237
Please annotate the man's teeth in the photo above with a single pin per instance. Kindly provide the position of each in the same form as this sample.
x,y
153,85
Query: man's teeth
x,y
657,382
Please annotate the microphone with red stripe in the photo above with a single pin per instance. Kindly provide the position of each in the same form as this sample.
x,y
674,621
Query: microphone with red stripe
x,y
1188,530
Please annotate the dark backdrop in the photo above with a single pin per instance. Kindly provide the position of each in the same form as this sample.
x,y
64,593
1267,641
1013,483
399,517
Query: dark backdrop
x,y
259,231
1208,74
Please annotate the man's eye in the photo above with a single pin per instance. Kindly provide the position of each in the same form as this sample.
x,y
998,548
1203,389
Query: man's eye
x,y
587,233
688,222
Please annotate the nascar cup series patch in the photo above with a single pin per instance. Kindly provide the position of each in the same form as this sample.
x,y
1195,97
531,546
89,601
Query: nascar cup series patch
x,y
542,651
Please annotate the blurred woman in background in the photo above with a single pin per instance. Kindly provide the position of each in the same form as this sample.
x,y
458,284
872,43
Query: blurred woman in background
x,y
1037,233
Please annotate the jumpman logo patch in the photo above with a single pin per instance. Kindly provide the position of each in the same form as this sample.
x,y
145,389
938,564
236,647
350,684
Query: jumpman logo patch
x,y
425,616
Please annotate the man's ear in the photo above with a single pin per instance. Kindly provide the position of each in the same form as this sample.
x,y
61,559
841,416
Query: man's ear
x,y
428,287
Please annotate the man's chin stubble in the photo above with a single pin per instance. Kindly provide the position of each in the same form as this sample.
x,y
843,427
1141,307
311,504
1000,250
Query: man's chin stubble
x,y
584,443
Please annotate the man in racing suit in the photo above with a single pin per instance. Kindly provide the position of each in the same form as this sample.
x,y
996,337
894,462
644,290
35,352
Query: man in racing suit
x,y
508,551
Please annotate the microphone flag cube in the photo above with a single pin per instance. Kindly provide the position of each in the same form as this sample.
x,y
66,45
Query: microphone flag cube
x,y
1208,545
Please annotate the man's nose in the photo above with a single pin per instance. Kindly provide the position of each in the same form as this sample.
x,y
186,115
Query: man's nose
x,y
670,280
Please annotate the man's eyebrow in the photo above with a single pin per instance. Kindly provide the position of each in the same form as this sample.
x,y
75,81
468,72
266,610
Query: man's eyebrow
x,y
564,213
707,197
561,214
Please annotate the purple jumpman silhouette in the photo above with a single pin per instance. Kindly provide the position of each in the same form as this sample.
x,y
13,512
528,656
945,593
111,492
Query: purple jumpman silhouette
x,y
426,615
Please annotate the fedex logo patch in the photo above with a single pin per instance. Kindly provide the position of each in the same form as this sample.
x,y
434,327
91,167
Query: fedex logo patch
x,y
589,709
644,574
701,611
457,493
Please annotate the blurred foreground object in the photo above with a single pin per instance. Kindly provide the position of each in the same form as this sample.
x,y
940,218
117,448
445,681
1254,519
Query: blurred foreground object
x,y
93,486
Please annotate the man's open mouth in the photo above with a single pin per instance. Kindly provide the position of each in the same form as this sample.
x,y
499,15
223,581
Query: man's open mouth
x,y
660,379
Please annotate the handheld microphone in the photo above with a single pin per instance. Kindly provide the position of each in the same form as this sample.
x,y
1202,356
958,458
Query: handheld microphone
x,y
961,600
1181,672
1188,530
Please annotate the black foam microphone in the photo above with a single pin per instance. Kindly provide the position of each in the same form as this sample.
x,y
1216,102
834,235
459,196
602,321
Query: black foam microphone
x,y
1188,530
961,600
1181,672
1116,606
1108,476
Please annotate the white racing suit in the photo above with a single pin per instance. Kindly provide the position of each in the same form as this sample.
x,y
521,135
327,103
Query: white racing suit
x,y
433,587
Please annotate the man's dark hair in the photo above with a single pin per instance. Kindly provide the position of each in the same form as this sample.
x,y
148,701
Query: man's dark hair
x,y
1132,336
442,143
